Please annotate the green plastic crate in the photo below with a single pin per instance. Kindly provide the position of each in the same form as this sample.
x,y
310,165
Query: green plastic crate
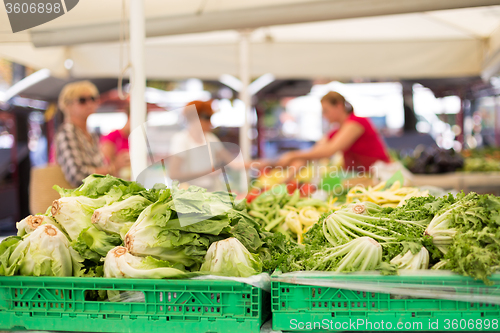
x,y
58,304
314,308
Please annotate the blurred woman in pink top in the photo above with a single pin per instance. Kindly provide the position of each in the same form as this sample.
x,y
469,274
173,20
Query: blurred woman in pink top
x,y
115,148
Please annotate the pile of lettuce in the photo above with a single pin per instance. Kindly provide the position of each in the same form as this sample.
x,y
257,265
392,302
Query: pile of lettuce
x,y
459,233
114,228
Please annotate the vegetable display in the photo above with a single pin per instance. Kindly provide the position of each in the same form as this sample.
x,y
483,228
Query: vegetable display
x,y
386,196
109,227
278,211
113,228
459,233
482,160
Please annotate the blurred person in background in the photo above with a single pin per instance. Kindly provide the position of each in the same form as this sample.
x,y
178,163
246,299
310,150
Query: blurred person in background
x,y
356,137
187,164
76,150
115,148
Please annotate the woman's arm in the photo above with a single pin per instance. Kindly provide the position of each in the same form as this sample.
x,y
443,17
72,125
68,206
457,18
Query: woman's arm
x,y
345,138
108,149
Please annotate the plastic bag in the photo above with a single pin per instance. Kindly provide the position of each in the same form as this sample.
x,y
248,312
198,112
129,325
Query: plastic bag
x,y
424,284
262,281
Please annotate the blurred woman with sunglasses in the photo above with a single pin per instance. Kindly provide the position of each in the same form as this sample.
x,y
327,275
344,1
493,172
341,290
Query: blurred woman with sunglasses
x,y
77,151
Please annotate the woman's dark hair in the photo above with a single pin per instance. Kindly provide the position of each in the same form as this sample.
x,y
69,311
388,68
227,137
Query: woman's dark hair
x,y
334,98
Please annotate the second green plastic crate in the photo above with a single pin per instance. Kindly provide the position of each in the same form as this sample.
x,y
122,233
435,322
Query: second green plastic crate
x,y
314,308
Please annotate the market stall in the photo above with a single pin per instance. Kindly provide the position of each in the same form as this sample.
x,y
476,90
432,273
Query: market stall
x,y
114,256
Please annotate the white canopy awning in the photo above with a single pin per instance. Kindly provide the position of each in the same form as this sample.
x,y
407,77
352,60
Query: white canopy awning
x,y
414,41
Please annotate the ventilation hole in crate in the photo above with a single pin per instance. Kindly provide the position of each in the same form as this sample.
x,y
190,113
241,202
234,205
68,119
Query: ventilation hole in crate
x,y
212,309
62,305
319,291
57,305
333,314
358,292
352,304
471,304
33,305
345,304
45,305
243,296
192,300
282,290
175,295
218,309
338,295
373,295
287,290
26,304
319,304
51,305
248,310
57,292
359,305
180,308
340,305
313,292
212,296
168,318
333,304
21,291
482,314
326,304
39,296
187,309
373,304
169,296
206,308
413,314
364,304
193,309
15,292
364,294
69,294
161,296
39,305
248,296
199,309
169,308
161,307
218,298
283,304
15,304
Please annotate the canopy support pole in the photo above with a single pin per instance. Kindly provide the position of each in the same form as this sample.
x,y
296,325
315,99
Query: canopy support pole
x,y
245,97
138,156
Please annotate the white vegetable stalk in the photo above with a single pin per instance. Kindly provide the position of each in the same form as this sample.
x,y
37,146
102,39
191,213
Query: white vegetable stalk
x,y
440,231
119,263
44,252
30,223
230,258
411,261
360,254
440,265
74,213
